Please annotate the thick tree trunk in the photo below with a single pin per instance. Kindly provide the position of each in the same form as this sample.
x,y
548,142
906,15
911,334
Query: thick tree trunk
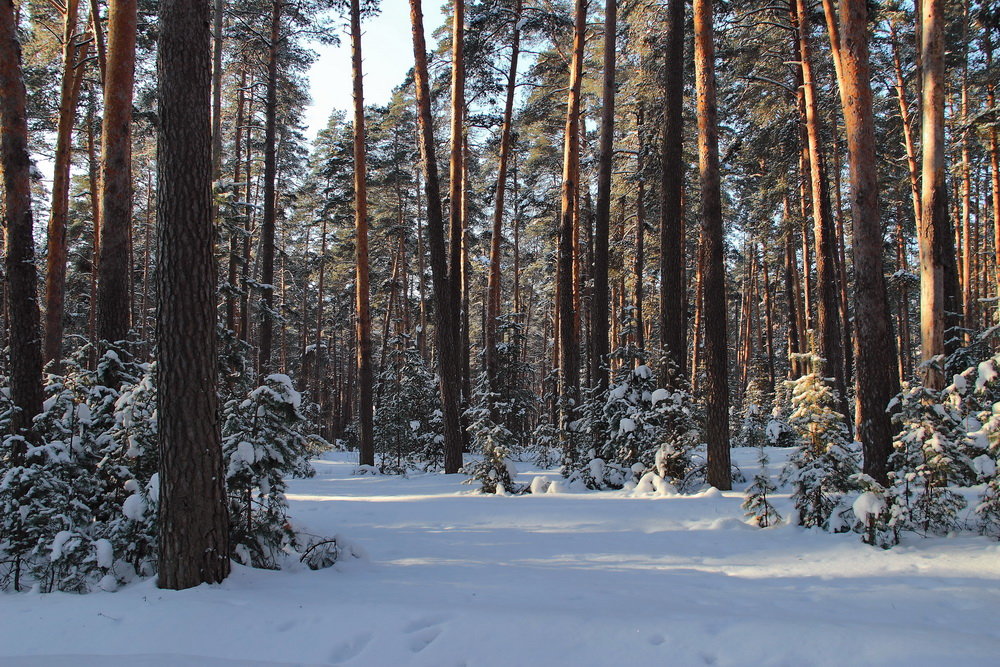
x,y
114,288
366,430
21,276
270,177
602,215
716,352
877,380
447,324
55,261
673,316
194,521
569,343
493,287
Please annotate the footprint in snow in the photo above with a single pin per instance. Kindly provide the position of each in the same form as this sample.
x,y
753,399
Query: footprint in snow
x,y
421,623
352,648
421,639
656,639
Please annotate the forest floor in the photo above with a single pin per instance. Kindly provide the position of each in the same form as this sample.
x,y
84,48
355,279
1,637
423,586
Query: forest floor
x,y
445,576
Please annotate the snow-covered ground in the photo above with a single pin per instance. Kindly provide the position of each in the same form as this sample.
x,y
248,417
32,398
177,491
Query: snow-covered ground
x,y
450,577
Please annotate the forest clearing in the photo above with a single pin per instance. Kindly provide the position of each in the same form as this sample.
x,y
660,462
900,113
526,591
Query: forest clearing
x,y
449,576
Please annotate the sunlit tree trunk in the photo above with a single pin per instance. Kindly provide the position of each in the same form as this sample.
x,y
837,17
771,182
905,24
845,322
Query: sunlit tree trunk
x,y
716,352
493,287
568,333
114,289
602,214
447,320
877,380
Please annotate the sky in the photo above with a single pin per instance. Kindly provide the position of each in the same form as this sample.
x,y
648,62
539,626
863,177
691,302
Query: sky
x,y
387,48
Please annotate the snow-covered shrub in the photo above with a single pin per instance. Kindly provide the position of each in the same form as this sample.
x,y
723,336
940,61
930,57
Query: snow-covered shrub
x,y
876,513
820,471
639,426
263,443
131,463
927,459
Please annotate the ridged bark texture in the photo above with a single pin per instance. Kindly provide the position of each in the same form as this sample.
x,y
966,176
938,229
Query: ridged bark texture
x,y
194,521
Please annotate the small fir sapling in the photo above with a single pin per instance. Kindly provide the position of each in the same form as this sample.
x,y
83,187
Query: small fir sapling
x,y
820,471
757,504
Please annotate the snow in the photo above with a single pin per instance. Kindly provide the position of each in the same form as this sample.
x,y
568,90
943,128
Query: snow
x,y
134,507
659,395
987,373
868,506
626,425
105,554
561,578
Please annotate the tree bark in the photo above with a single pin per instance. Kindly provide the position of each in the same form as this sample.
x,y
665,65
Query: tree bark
x,y
568,333
716,352
937,250
194,521
447,320
55,261
114,289
19,251
270,177
877,380
673,316
366,379
831,345
602,215
493,287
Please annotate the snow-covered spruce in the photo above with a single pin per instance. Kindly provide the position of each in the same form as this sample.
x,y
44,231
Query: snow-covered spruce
x,y
821,471
262,444
408,418
757,503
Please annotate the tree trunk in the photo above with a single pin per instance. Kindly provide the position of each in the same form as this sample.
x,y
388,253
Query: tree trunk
x,y
602,215
446,329
55,261
716,352
194,521
217,13
673,316
831,345
877,381
366,429
114,288
937,250
19,251
493,287
270,176
568,333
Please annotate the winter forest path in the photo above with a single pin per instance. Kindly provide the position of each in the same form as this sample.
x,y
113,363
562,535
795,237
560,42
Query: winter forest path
x,y
452,577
